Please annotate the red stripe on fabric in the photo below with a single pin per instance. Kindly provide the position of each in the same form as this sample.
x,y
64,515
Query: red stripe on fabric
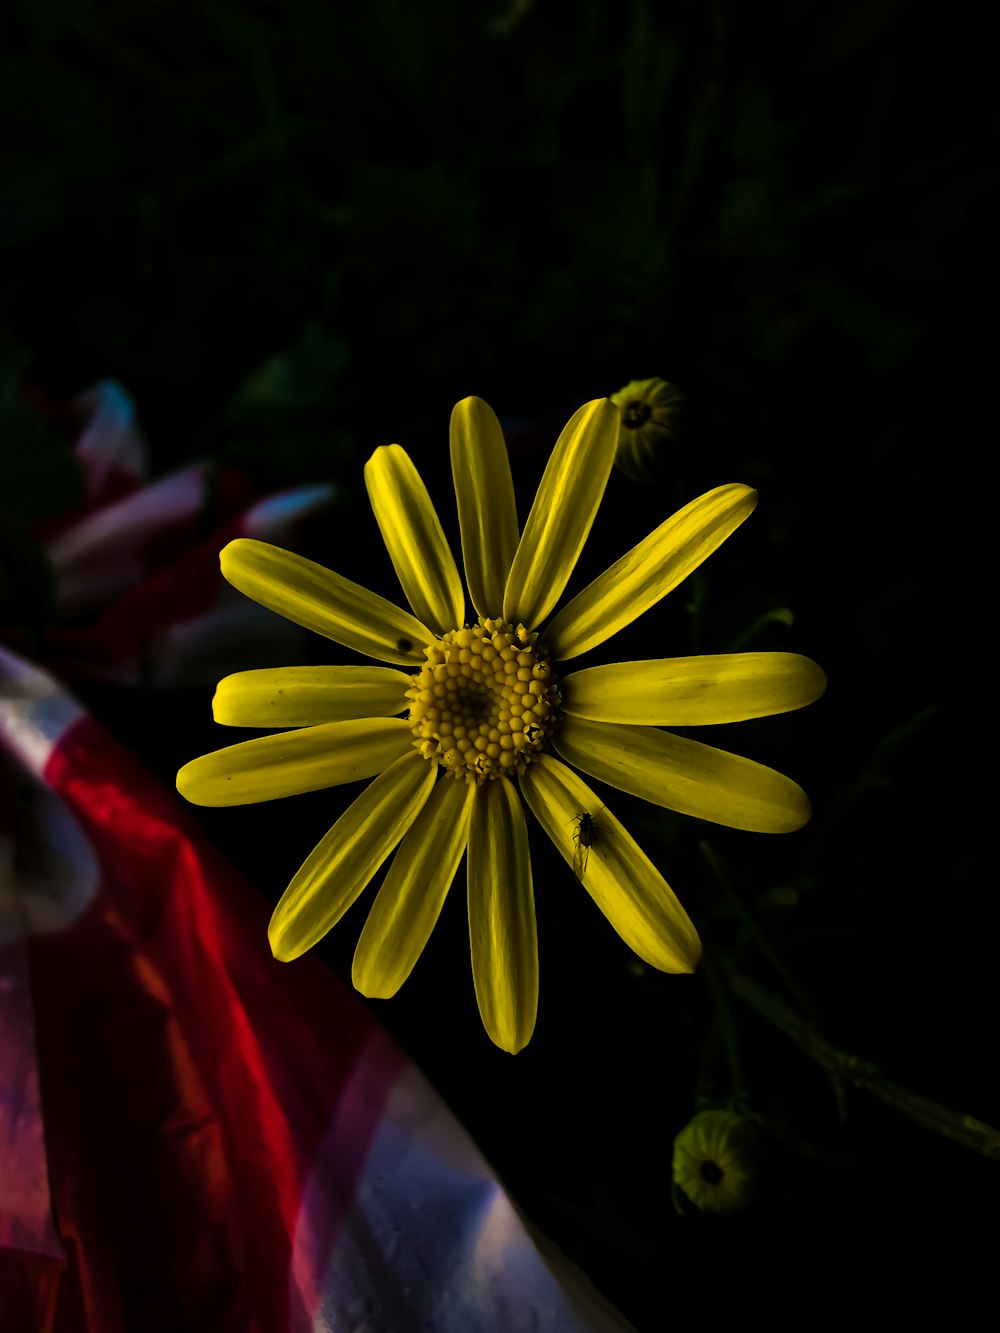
x,y
30,1289
25,1215
187,1078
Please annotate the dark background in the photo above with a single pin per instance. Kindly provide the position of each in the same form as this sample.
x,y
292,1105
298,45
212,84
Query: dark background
x,y
295,232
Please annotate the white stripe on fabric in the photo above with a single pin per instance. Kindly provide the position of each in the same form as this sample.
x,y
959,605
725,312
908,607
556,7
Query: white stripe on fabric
x,y
432,1241
35,712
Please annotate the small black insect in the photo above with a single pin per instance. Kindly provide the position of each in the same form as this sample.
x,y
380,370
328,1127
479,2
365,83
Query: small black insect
x,y
585,835
404,646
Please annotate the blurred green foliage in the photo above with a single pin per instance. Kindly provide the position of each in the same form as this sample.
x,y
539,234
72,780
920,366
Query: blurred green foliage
x,y
190,188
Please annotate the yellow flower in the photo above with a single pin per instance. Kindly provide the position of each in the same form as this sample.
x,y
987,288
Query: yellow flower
x,y
483,705
715,1161
650,412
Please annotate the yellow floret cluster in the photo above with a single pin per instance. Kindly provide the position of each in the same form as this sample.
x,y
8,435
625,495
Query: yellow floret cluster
x,y
485,702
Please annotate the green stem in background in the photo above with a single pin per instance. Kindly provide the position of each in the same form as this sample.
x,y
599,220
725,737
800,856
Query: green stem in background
x,y
781,615
755,933
874,777
751,927
931,1115
150,74
704,116
727,1031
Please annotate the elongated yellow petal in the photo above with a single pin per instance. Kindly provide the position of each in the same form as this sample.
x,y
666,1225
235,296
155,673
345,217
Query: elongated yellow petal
x,y
414,538
685,775
411,897
324,602
617,874
295,761
485,492
649,571
305,696
567,499
345,860
502,916
687,691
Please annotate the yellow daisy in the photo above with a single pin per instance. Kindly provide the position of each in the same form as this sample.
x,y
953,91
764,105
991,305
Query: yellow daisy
x,y
481,703
651,410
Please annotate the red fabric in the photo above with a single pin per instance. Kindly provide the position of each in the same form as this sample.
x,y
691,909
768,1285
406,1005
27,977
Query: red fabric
x,y
187,1078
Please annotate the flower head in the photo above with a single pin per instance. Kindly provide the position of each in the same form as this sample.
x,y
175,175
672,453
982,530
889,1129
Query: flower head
x,y
468,716
715,1161
650,414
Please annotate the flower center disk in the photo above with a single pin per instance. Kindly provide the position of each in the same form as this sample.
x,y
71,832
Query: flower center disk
x,y
636,414
485,702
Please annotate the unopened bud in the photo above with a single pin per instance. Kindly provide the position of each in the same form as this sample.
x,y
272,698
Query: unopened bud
x,y
650,413
715,1161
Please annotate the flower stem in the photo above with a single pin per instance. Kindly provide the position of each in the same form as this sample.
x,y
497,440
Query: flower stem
x,y
754,932
931,1115
725,1028
750,925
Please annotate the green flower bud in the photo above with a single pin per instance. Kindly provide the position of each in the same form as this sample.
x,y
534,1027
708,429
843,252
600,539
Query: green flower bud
x,y
715,1161
650,412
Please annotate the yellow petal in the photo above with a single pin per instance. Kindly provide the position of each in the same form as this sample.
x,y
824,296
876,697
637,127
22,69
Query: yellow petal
x,y
413,892
567,499
685,775
346,859
485,493
295,761
502,916
615,871
414,538
649,571
305,696
324,602
688,691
